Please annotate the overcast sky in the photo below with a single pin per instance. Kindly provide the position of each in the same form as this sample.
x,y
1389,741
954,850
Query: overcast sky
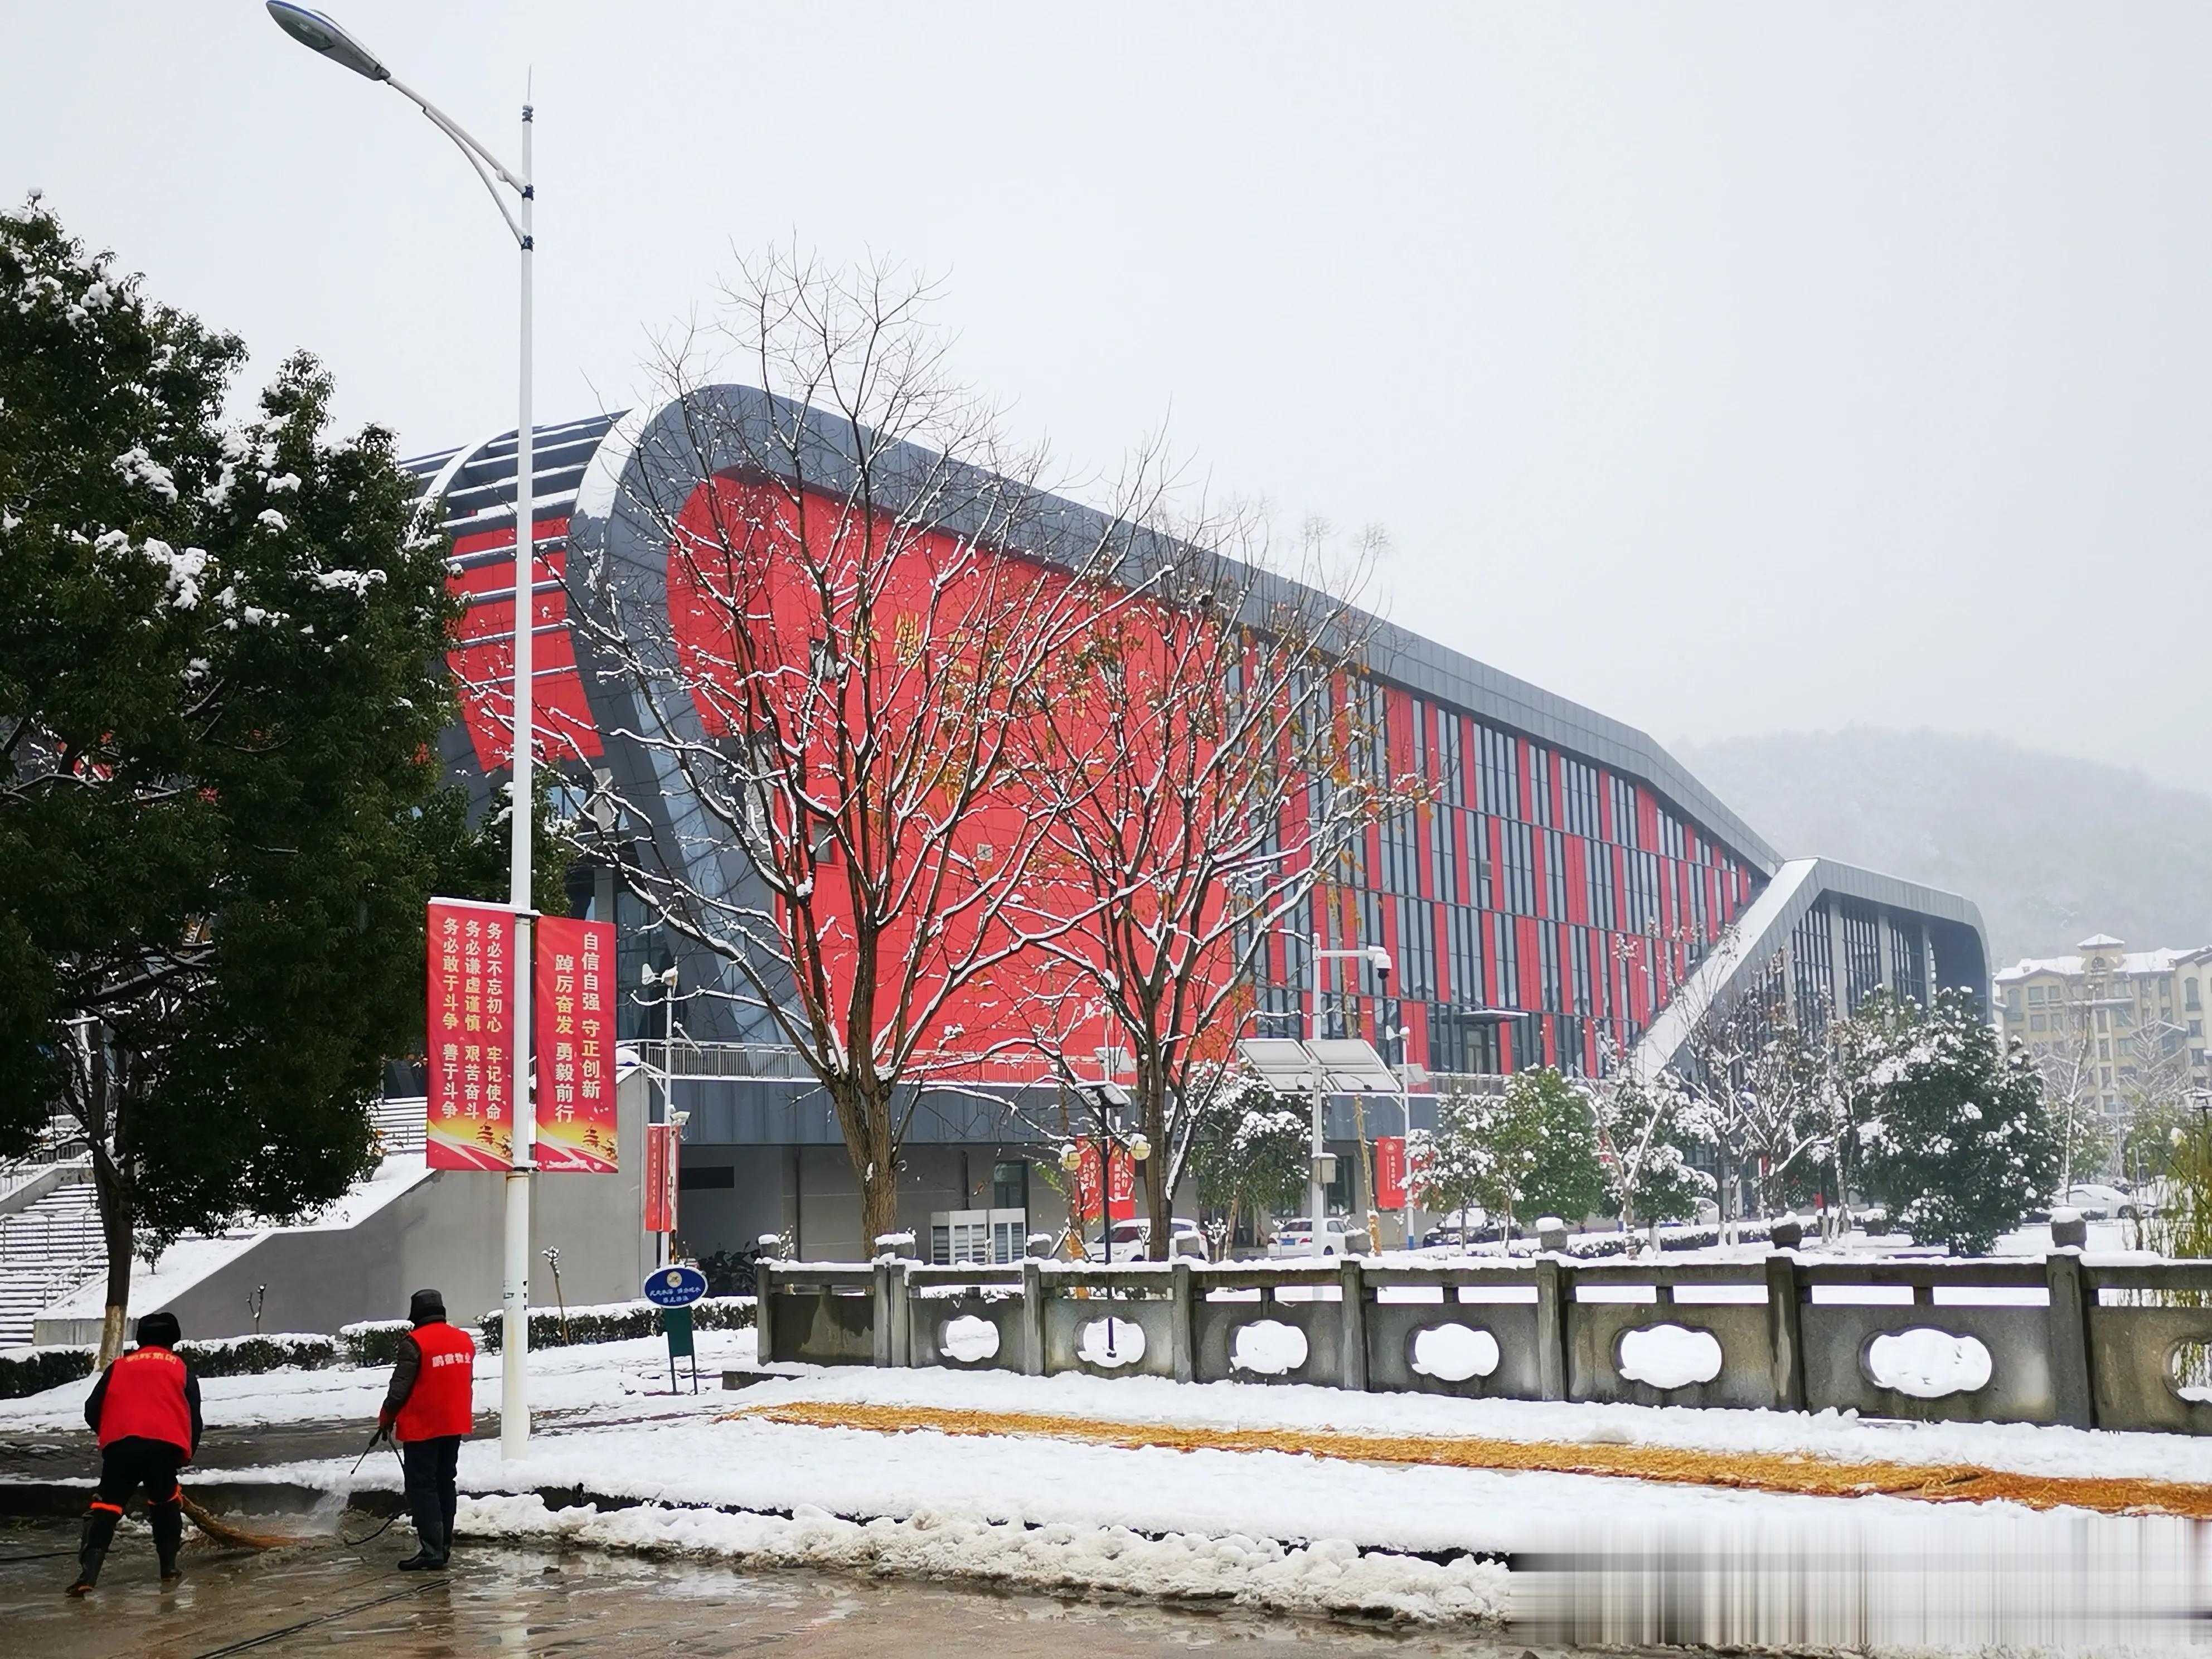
x,y
1728,369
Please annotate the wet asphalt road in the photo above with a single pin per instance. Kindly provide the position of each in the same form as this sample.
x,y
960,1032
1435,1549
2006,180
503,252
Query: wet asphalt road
x,y
327,1599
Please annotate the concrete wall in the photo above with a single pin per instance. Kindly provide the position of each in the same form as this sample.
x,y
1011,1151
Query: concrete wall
x,y
446,1232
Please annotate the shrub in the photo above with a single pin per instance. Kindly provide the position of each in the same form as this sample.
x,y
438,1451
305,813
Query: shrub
x,y
250,1356
374,1341
617,1321
34,1370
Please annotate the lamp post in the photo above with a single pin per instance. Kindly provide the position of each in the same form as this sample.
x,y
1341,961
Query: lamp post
x,y
1380,958
665,981
319,34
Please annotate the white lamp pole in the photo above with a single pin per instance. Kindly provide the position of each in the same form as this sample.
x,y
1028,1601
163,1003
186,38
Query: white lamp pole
x,y
318,33
1315,1200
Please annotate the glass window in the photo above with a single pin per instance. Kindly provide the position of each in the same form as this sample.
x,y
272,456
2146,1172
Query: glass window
x,y
1010,1186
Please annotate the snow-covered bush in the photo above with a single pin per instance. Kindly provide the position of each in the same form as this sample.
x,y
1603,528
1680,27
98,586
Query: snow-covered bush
x,y
615,1322
34,1370
1959,1144
250,1356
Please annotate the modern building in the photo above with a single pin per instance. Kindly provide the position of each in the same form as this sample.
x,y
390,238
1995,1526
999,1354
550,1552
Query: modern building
x,y
2108,1024
1569,880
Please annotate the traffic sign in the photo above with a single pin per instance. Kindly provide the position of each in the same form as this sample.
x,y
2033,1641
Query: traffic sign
x,y
675,1287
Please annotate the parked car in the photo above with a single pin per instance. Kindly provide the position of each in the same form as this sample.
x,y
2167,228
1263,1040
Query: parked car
x,y
1294,1237
2100,1202
1132,1240
1458,1230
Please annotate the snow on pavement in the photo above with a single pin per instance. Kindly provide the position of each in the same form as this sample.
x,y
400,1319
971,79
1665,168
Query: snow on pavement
x,y
1330,1575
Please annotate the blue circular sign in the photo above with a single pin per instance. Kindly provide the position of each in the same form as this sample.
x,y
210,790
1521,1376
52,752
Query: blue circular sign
x,y
675,1287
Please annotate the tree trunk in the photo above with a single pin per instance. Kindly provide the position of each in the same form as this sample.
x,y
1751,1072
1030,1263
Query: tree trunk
x,y
865,1118
118,1229
1157,1199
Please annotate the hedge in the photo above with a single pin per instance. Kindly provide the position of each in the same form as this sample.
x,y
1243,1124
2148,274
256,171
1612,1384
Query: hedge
x,y
34,1370
617,1321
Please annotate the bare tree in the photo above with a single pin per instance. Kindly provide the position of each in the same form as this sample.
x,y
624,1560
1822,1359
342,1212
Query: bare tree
x,y
1199,766
866,592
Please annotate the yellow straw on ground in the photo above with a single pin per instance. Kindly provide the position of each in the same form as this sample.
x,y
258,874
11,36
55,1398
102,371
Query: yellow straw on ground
x,y
1771,1472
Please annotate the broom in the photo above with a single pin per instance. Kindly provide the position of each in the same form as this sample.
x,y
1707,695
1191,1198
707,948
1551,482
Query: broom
x,y
237,1537
223,1532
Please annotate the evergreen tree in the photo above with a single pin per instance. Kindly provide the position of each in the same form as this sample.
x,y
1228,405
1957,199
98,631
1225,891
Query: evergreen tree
x,y
1532,1150
221,682
1248,1153
1958,1145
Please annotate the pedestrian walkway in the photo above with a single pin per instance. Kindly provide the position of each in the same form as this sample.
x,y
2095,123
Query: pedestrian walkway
x,y
328,1599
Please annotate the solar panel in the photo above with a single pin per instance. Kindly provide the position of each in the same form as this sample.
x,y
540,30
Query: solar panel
x,y
1348,1065
1283,1064
1353,1066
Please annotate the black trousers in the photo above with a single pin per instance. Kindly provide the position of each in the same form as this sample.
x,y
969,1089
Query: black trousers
x,y
125,1465
431,1496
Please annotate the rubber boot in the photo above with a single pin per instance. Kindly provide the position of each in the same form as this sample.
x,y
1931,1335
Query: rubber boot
x,y
97,1534
429,1518
449,1501
167,1520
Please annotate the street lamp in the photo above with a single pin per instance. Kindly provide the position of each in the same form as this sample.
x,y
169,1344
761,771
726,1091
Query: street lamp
x,y
318,33
1379,959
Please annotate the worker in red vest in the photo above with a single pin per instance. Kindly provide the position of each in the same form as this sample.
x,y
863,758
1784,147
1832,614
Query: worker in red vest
x,y
146,1410
429,1404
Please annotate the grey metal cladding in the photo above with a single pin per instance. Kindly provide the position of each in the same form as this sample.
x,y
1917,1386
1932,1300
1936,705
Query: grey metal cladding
x,y
654,459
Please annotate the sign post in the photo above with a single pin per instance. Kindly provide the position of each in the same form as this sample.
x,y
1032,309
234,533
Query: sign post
x,y
673,1290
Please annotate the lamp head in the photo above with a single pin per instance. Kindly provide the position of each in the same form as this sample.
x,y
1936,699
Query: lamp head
x,y
319,34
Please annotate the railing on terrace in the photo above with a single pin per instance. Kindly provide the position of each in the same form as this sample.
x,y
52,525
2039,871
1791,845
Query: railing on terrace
x,y
686,1059
2057,1341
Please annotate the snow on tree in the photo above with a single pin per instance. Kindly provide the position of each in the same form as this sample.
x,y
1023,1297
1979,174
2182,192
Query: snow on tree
x,y
1197,764
1644,1130
217,724
1532,1150
841,668
1249,1154
1959,1143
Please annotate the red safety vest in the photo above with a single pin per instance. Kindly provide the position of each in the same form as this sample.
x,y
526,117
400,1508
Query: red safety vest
x,y
439,1404
145,1400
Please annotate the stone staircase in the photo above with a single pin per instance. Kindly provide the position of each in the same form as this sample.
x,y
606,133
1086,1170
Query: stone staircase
x,y
52,1246
48,1250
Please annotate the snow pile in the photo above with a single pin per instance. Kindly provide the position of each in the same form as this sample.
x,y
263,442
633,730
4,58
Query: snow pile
x,y
1267,1346
1455,1352
1330,1575
1108,1343
968,1338
1670,1355
1928,1364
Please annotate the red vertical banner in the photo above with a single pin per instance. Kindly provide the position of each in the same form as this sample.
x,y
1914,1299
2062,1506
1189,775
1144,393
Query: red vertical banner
x,y
470,1040
573,1001
1389,1172
660,1160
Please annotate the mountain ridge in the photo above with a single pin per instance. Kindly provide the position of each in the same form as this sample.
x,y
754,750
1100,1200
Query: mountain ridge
x,y
2053,848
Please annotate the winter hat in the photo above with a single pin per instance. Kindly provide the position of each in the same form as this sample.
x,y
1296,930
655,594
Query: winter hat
x,y
426,1308
159,1330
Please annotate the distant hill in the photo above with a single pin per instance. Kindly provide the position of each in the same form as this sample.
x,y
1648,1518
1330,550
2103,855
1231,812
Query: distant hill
x,y
2052,849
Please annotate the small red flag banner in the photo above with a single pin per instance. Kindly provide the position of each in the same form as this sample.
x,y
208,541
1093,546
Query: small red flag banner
x,y
660,1160
1389,1172
573,1001
471,1035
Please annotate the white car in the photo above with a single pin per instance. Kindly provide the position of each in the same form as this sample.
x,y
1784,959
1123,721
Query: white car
x,y
1294,1237
2099,1202
1132,1240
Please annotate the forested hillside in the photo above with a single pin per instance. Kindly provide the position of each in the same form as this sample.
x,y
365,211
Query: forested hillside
x,y
2052,849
